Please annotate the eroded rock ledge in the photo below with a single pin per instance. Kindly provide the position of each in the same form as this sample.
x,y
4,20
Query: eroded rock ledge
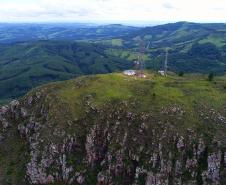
x,y
117,147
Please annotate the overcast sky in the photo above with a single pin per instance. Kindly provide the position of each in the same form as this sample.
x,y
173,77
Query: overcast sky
x,y
112,10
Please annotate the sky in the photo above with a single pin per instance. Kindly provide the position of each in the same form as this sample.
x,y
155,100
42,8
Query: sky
x,y
112,11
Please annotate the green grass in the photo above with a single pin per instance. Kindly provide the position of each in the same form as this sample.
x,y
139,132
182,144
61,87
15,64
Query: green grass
x,y
126,54
13,159
117,42
218,41
4,101
150,94
190,93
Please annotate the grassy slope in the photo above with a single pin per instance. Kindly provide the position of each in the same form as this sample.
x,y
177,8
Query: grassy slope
x,y
4,101
13,158
149,95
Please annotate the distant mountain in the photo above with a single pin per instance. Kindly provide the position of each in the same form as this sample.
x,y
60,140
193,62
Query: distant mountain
x,y
26,65
182,33
193,47
25,32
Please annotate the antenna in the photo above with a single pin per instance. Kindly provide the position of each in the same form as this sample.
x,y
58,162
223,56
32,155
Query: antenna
x,y
148,46
143,48
166,62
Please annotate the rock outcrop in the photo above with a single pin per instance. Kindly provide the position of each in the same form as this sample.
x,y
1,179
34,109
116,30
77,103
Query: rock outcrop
x,y
113,145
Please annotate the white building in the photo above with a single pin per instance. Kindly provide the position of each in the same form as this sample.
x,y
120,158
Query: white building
x,y
162,73
129,72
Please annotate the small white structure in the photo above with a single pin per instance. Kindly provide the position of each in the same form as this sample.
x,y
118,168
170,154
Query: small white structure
x,y
162,73
129,72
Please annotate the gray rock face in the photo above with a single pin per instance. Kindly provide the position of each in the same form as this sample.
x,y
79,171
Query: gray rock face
x,y
3,121
4,110
225,159
96,143
155,179
24,112
5,124
1,137
80,179
101,179
213,173
180,143
120,148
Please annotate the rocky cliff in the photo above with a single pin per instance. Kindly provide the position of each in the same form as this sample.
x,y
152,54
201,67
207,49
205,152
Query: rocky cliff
x,y
116,130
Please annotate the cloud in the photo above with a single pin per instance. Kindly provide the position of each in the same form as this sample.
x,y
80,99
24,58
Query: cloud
x,y
168,5
112,10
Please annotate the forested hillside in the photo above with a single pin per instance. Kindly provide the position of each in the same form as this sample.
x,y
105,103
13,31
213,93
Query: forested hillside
x,y
28,64
192,47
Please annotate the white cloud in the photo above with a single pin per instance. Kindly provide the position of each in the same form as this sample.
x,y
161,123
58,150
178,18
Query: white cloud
x,y
113,10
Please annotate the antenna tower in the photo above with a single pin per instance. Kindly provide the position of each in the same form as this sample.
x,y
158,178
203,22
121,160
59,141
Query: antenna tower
x,y
142,49
166,62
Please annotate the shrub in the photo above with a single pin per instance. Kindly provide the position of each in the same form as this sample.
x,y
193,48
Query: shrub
x,y
181,73
211,77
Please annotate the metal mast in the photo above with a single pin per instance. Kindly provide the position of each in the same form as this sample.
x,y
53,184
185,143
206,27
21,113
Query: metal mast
x,y
142,50
166,62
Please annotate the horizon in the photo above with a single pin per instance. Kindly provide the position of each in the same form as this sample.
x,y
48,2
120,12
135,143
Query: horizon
x,y
130,23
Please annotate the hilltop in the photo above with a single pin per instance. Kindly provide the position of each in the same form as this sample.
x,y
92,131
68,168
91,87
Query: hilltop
x,y
116,129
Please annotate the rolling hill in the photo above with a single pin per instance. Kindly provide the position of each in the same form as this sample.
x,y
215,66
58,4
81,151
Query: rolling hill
x,y
28,64
193,47
180,34
115,129
11,33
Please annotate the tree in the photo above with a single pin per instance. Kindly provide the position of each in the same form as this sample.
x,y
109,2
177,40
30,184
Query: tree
x,y
211,76
181,73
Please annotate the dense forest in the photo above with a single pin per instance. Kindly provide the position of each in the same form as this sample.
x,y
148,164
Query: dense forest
x,y
26,65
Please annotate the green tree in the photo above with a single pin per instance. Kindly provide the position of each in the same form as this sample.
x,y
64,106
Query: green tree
x,y
211,76
181,73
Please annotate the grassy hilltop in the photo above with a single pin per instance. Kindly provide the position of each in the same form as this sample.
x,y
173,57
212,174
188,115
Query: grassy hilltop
x,y
149,94
93,123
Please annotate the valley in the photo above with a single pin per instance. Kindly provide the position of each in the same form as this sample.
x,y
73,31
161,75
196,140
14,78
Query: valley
x,y
26,65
